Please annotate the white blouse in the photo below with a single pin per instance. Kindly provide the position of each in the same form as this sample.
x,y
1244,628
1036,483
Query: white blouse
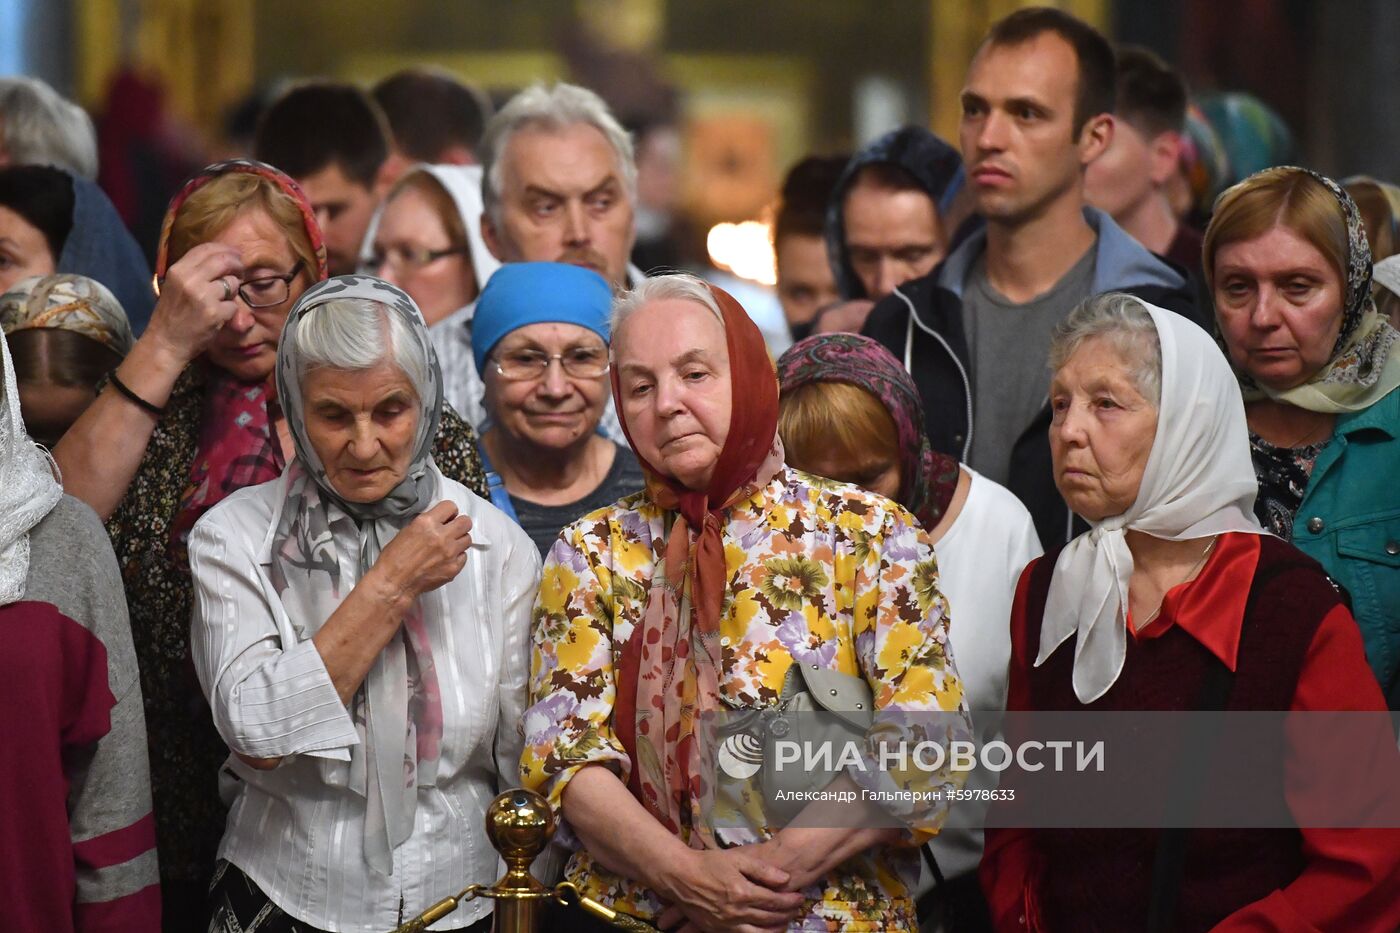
x,y
298,829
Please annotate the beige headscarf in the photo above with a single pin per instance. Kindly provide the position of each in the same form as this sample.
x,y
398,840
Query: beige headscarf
x,y
1365,363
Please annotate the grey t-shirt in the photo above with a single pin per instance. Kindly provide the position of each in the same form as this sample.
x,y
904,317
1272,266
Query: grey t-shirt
x,y
543,522
1009,344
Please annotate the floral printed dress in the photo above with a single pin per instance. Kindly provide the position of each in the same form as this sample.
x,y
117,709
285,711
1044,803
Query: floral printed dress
x,y
819,573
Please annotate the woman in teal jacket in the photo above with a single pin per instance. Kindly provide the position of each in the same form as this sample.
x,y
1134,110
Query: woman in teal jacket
x,y
1289,268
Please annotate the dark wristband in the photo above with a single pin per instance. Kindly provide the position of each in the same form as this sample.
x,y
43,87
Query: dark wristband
x,y
132,397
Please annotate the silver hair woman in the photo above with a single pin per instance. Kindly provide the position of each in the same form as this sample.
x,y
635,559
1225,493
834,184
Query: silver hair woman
x,y
726,580
1176,600
360,631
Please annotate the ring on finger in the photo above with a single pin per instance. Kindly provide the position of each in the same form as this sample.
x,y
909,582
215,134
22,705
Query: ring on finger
x,y
228,292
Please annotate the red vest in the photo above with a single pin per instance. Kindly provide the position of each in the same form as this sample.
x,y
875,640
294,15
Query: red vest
x,y
1100,879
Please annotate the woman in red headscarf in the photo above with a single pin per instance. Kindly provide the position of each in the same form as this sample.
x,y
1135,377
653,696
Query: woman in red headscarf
x,y
189,417
699,595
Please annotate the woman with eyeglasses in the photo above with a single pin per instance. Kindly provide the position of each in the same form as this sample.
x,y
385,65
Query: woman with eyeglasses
x,y
190,417
540,338
426,239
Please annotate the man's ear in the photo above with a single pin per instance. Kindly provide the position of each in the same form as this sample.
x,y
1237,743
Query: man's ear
x,y
1095,137
457,155
493,241
390,169
1164,153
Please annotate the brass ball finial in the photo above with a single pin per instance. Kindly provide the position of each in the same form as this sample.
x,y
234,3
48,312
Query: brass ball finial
x,y
519,824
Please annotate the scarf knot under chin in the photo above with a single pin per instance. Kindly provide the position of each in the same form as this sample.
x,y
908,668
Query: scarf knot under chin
x,y
1198,481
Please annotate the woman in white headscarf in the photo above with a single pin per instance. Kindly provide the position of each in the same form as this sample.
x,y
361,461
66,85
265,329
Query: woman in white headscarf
x,y
426,239
1176,599
77,840
361,631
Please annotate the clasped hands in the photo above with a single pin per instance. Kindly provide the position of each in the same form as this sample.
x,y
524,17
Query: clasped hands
x,y
756,888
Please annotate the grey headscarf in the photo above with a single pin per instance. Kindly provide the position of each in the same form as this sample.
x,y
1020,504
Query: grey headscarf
x,y
398,710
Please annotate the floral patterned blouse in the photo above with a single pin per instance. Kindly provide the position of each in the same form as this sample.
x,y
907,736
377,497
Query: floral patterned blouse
x,y
186,753
819,573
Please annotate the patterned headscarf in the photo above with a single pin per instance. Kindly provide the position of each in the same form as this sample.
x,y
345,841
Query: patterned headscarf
x,y
1364,365
928,478
64,301
669,670
282,180
236,446
398,711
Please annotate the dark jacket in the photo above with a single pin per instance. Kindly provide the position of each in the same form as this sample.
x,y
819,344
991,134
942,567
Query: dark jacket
x,y
932,163
921,324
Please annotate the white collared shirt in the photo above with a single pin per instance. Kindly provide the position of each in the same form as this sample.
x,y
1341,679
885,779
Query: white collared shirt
x,y
298,829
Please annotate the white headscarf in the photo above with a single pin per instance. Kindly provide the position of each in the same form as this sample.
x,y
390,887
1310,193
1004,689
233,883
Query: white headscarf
x,y
29,488
463,184
1199,482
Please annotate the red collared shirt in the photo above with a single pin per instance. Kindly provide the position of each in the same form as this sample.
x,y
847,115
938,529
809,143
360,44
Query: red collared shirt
x,y
1352,876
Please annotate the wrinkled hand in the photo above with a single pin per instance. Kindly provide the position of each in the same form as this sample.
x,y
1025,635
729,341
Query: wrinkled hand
x,y
192,307
431,551
723,890
847,317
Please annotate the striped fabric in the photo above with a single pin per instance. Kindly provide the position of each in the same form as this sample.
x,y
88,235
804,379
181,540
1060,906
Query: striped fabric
x,y
297,831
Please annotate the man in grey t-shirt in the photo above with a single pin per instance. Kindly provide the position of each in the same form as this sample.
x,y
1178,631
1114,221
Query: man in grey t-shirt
x,y
1036,111
1008,344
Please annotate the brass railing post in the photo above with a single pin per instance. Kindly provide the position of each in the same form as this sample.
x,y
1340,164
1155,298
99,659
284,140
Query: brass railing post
x,y
519,824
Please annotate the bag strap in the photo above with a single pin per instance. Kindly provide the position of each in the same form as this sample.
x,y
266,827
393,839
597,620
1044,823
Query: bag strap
x,y
496,486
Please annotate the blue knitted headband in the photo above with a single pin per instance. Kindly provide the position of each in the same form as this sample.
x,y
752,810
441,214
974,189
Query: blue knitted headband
x,y
521,293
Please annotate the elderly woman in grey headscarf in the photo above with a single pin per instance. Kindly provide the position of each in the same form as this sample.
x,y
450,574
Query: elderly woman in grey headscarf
x,y
361,631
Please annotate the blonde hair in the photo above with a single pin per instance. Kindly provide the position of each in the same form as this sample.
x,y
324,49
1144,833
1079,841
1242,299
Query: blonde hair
x,y
819,419
210,209
1283,196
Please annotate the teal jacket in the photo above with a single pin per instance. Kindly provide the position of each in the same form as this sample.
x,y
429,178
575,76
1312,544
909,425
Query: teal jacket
x,y
1349,521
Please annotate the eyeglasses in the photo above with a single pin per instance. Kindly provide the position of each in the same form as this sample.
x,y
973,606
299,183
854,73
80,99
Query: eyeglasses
x,y
265,291
268,290
406,257
578,362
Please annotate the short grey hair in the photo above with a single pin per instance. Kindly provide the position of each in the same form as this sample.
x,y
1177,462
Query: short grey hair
x,y
552,108
681,286
357,334
41,127
1126,324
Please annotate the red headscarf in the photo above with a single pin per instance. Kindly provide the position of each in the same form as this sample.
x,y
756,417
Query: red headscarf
x,y
236,446
654,713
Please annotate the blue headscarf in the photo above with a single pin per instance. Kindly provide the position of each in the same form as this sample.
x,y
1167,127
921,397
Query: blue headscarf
x,y
521,293
100,247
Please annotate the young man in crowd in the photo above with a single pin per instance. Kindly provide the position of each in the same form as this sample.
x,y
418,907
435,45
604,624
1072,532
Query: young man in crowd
x,y
1131,179
975,332
889,220
432,118
560,183
331,138
805,282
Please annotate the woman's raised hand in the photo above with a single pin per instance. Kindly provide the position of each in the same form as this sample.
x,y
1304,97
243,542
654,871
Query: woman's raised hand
x,y
197,298
431,551
727,890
